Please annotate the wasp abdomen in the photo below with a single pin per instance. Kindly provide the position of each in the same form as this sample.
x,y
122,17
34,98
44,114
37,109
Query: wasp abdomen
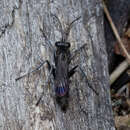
x,y
61,91
62,94
63,101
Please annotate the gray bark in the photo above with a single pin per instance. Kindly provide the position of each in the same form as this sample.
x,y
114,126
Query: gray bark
x,y
21,49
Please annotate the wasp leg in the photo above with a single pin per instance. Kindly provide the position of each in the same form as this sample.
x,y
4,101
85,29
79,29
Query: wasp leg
x,y
75,52
87,81
72,71
46,83
48,42
49,67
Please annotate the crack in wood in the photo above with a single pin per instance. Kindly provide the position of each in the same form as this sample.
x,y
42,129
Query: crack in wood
x,y
7,25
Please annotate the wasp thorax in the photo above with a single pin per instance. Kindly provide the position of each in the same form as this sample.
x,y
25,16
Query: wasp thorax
x,y
63,45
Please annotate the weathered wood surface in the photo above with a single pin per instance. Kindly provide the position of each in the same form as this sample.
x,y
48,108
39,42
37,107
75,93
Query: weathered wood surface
x,y
20,50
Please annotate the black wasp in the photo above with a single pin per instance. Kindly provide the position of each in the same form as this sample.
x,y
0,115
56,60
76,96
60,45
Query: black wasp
x,y
61,72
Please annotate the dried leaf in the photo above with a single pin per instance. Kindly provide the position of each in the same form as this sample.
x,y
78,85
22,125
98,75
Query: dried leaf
x,y
127,33
126,43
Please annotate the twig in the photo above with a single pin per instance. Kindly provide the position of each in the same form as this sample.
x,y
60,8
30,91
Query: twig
x,y
118,71
116,33
121,89
124,65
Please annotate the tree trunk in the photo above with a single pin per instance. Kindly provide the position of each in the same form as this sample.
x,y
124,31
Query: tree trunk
x,y
21,50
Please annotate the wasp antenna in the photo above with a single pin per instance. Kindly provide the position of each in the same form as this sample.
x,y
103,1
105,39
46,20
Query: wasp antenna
x,y
69,27
61,28
74,21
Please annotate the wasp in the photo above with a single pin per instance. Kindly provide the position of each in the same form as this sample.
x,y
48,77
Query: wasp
x,y
61,71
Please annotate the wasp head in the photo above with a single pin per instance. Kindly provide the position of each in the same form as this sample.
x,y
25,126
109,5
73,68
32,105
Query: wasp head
x,y
62,45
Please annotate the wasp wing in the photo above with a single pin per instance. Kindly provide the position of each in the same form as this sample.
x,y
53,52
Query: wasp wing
x,y
61,87
62,77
